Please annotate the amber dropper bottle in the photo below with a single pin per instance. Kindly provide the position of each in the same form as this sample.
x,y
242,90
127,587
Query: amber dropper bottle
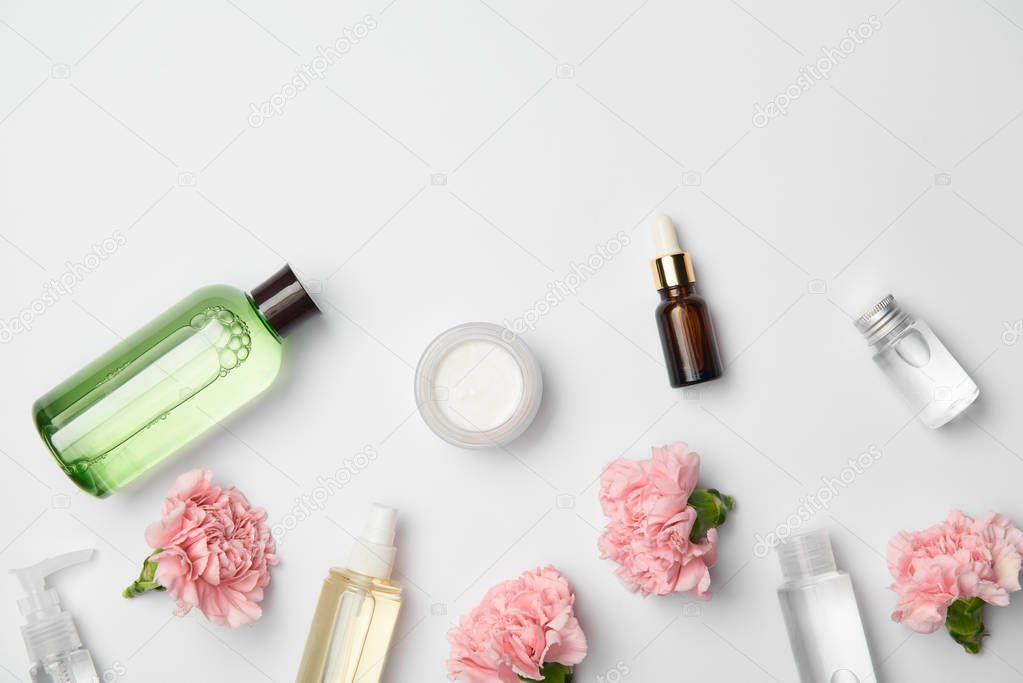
x,y
687,336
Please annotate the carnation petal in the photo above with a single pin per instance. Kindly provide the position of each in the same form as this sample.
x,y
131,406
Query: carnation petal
x,y
197,480
571,647
159,534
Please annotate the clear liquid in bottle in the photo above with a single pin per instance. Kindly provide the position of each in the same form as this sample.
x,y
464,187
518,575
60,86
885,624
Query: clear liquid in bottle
x,y
930,379
821,614
358,610
351,629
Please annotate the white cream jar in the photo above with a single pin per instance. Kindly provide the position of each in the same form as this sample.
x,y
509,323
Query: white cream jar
x,y
478,386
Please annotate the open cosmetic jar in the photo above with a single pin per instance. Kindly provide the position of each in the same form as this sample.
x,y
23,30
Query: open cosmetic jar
x,y
478,386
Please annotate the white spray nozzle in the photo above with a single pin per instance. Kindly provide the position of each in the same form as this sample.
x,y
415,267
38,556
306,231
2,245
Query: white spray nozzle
x,y
33,578
381,525
374,551
665,236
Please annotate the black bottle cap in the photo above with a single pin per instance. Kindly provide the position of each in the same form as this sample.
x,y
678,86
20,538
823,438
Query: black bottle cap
x,y
283,300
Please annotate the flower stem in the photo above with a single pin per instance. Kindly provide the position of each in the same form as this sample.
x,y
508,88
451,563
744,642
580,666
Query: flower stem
x,y
147,579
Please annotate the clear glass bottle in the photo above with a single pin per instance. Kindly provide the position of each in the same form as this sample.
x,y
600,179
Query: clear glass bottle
x,y
821,614
358,610
169,382
932,381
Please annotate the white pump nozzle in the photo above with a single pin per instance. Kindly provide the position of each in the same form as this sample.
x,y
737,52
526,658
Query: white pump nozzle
x,y
40,601
33,578
374,551
48,629
665,236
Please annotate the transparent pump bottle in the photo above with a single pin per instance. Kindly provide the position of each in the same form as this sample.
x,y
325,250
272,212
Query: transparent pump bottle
x,y
932,381
50,635
821,614
174,379
358,610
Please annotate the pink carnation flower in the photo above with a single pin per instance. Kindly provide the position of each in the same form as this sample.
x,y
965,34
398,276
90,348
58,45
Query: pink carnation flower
x,y
213,551
651,523
958,559
520,626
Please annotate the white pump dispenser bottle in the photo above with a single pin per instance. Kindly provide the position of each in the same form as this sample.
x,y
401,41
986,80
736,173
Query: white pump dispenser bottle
x,y
51,637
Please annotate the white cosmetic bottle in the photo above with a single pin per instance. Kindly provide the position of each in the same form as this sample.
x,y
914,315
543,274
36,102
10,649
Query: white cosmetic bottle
x,y
821,614
51,637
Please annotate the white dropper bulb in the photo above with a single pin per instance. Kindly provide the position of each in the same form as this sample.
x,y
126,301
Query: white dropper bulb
x,y
665,236
374,551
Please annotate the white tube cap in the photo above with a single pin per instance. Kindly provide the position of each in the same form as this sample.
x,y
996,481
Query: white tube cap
x,y
805,555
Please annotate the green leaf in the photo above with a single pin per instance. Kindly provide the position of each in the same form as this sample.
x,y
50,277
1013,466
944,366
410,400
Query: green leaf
x,y
965,623
147,579
552,672
712,509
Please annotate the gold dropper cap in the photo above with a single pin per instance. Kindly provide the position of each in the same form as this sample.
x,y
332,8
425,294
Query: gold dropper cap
x,y
673,268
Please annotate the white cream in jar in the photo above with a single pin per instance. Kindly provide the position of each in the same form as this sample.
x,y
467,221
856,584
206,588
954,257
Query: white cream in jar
x,y
478,386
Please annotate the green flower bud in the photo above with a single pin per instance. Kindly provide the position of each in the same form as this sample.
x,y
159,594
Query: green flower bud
x,y
965,623
712,509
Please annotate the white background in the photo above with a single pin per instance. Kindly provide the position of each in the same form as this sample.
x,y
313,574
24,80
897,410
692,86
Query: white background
x,y
555,126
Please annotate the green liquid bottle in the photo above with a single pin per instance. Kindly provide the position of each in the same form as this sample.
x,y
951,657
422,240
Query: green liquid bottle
x,y
169,382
